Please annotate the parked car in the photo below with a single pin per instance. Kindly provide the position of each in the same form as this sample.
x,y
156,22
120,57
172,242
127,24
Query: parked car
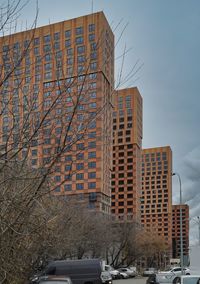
x,y
134,269
184,279
123,275
172,276
54,280
177,271
149,271
106,277
114,273
128,271
151,279
80,271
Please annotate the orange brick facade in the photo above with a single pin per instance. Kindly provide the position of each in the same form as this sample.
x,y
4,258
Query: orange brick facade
x,y
58,88
127,139
64,82
156,195
176,230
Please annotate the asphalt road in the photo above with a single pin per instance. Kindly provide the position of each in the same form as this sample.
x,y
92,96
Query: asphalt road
x,y
136,280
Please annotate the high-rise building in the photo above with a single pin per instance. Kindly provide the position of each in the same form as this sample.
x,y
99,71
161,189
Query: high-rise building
x,y
156,195
176,235
127,141
56,87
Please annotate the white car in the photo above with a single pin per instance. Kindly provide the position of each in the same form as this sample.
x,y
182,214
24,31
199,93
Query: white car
x,y
128,271
106,277
123,275
177,271
149,271
114,273
172,276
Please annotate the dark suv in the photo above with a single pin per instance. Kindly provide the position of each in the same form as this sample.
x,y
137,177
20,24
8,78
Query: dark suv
x,y
83,271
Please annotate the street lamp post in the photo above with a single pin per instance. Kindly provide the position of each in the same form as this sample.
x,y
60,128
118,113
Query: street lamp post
x,y
181,223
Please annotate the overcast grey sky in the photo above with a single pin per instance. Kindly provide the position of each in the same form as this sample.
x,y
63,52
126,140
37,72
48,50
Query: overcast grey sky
x,y
164,37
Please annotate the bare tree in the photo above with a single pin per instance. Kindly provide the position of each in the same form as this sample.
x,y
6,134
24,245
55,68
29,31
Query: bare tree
x,y
121,246
27,122
150,248
29,217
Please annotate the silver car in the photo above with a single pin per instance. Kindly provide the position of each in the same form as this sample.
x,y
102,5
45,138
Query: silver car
x,y
128,271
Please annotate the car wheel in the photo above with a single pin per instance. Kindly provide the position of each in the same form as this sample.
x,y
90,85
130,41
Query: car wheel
x,y
177,280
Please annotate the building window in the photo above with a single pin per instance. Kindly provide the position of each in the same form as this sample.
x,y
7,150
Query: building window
x,y
47,57
68,168
34,162
79,30
26,43
56,36
57,189
79,176
47,38
91,37
92,125
68,33
58,54
92,85
57,45
91,185
81,68
80,156
46,151
57,178
92,165
91,27
80,146
93,46
93,66
93,55
91,155
67,42
48,75
92,175
69,51
69,61
36,50
79,40
92,134
81,49
47,66
36,41
68,187
91,144
47,47
81,59
69,71
79,186
80,166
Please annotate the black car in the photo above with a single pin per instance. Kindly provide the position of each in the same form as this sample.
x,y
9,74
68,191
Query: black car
x,y
151,279
78,271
